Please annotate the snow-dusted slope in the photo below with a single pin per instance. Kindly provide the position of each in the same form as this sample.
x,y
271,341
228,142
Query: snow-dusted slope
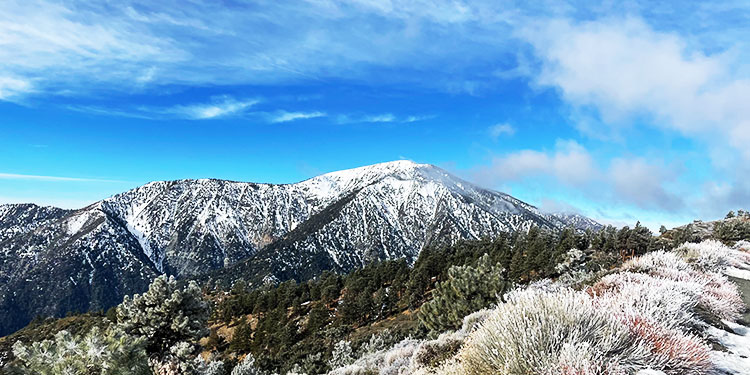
x,y
339,221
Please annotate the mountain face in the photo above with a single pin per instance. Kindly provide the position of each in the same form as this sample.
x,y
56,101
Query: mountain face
x,y
53,261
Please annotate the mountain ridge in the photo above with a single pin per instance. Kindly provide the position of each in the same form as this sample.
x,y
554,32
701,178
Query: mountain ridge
x,y
191,227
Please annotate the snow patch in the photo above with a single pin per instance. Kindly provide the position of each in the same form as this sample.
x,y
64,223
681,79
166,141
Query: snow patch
x,y
737,360
738,273
76,223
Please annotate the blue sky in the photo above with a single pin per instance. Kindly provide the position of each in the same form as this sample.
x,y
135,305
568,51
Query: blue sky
x,y
622,111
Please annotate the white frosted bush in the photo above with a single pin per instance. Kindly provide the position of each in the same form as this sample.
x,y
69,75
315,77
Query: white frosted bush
x,y
247,367
526,336
395,360
713,256
742,246
208,367
654,260
342,355
666,301
376,343
473,320
351,369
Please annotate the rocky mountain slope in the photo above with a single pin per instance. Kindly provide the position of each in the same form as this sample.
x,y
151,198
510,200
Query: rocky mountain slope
x,y
53,261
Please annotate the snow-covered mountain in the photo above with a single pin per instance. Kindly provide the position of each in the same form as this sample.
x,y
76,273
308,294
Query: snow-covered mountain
x,y
53,261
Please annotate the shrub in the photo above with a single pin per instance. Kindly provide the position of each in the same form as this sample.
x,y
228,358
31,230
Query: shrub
x,y
434,352
528,333
247,367
342,355
742,246
385,362
713,256
671,303
657,259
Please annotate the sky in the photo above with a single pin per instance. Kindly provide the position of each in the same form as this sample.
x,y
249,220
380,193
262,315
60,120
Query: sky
x,y
621,111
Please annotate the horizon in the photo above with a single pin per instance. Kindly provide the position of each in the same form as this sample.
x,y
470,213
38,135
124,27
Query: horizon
x,y
622,113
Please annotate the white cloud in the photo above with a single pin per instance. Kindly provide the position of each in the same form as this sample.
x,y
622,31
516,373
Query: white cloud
x,y
12,87
498,130
218,107
28,177
284,116
642,183
634,181
378,118
570,163
386,117
625,70
223,107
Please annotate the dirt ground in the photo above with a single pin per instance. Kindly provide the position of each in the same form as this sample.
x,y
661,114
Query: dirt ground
x,y
745,289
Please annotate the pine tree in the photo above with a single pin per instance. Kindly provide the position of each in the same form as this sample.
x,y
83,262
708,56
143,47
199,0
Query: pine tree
x,y
242,337
108,352
468,289
169,319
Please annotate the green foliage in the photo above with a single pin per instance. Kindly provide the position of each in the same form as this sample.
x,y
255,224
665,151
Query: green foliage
x,y
467,289
109,352
730,231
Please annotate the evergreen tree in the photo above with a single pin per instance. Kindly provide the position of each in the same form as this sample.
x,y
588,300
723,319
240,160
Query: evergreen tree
x,y
169,319
109,352
467,289
242,337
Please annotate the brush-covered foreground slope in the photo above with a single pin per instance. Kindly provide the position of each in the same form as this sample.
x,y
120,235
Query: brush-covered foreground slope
x,y
59,261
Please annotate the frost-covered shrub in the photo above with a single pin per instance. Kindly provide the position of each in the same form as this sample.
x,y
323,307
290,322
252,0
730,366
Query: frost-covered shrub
x,y
473,320
433,352
722,297
247,367
208,367
109,352
342,355
395,360
353,369
742,246
672,296
377,343
526,335
713,256
672,350
667,301
657,259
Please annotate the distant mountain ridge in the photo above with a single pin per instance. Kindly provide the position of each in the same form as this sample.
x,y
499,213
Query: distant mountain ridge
x,y
53,260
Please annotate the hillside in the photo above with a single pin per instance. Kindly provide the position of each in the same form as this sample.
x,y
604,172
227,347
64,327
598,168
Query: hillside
x,y
673,311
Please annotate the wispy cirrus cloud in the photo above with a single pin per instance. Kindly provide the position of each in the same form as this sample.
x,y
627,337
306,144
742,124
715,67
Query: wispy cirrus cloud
x,y
284,116
215,108
378,118
218,108
29,177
